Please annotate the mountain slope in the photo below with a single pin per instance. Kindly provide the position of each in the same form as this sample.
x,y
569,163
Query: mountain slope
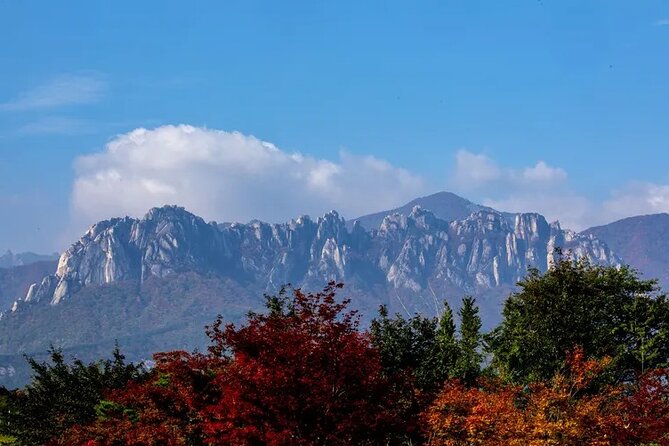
x,y
642,241
154,282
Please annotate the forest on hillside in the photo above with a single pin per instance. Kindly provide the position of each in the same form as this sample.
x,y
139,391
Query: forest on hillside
x,y
580,357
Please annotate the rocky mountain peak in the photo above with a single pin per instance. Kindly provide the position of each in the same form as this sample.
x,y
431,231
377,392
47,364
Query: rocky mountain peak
x,y
393,223
168,212
531,226
422,218
331,225
416,257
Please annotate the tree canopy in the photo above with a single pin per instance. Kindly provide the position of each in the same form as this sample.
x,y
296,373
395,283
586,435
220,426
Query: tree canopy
x,y
63,394
428,348
300,374
579,358
607,311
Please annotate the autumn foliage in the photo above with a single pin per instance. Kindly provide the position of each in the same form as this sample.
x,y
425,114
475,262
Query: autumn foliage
x,y
570,409
304,373
167,409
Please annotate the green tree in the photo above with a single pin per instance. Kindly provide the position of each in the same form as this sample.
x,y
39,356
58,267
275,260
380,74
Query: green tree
x,y
406,345
446,350
468,363
62,394
5,399
425,347
608,311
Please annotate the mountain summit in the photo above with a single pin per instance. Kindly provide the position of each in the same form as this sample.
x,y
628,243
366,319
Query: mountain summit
x,y
444,205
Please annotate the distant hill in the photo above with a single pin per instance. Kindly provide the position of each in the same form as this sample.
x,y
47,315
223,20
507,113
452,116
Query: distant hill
x,y
444,205
642,242
9,259
14,282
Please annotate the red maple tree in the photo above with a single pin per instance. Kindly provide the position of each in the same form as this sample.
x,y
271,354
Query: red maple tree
x,y
302,374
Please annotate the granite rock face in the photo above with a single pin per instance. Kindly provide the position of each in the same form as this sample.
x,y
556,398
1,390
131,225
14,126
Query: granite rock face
x,y
413,259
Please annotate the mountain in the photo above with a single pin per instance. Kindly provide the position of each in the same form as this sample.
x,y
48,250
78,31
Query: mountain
x,y
15,281
9,259
642,241
444,205
410,251
153,283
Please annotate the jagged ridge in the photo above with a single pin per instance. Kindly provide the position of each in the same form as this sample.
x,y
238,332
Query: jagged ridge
x,y
417,258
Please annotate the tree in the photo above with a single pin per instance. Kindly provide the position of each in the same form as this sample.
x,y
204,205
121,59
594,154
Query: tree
x,y
428,349
446,349
560,411
425,347
462,415
409,347
167,408
5,401
572,408
644,412
468,363
608,311
61,395
302,375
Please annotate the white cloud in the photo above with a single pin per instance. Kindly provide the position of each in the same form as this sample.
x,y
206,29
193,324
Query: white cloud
x,y
478,171
63,90
230,177
545,189
536,188
475,169
637,199
543,172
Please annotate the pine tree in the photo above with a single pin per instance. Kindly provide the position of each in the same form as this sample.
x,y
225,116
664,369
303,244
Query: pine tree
x,y
445,346
407,346
468,364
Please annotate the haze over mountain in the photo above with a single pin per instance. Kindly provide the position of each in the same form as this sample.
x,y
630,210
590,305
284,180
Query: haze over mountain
x,y
15,281
642,241
9,259
153,283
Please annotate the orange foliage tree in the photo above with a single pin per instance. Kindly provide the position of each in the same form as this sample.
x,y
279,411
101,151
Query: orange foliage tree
x,y
571,409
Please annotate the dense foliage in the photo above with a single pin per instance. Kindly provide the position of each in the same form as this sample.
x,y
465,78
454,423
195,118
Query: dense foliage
x,y
579,359
606,311
62,395
301,374
561,411
428,348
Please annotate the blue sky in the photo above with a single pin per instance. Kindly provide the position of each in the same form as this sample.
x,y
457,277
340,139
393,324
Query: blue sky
x,y
559,107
